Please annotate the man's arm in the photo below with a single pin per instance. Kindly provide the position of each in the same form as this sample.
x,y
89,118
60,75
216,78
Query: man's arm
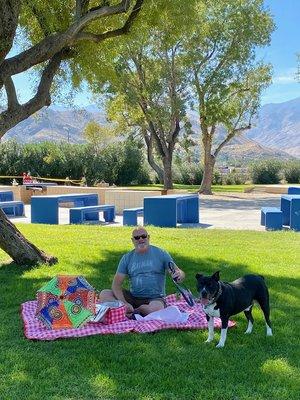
x,y
117,290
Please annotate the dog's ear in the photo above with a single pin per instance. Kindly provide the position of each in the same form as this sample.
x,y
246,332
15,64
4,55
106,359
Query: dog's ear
x,y
198,276
216,276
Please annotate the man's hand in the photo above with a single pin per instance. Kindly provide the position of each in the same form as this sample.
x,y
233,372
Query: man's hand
x,y
177,275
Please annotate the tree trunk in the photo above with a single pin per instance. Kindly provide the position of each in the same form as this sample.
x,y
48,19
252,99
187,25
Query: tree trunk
x,y
157,169
168,176
209,163
207,176
18,247
150,157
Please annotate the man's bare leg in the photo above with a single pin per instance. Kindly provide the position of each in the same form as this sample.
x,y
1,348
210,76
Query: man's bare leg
x,y
106,295
146,309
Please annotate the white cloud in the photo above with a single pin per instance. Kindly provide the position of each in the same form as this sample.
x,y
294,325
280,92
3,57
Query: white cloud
x,y
286,77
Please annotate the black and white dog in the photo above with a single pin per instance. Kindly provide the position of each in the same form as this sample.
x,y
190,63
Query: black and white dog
x,y
223,299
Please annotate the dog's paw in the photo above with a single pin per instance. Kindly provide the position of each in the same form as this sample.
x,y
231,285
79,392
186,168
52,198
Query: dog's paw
x,y
269,331
248,331
220,345
209,340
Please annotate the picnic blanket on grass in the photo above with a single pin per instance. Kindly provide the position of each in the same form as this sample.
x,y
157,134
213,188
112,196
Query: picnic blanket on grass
x,y
36,330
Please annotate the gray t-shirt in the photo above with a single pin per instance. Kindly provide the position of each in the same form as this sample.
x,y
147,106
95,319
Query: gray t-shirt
x,y
146,272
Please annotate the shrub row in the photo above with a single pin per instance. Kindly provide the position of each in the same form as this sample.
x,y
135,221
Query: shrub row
x,y
261,172
192,174
273,171
121,163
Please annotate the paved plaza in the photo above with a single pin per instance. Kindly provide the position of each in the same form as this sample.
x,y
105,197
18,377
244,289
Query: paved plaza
x,y
220,211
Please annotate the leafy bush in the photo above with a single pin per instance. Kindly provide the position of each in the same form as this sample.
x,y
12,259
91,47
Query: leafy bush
x,y
266,172
10,156
291,172
234,178
217,178
190,174
133,168
122,163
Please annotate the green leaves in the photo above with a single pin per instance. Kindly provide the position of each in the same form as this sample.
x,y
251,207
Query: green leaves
x,y
99,135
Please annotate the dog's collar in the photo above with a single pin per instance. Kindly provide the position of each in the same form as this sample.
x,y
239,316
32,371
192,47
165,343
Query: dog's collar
x,y
216,296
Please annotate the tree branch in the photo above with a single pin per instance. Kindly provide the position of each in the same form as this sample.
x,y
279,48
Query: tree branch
x,y
229,137
51,45
11,117
9,14
232,94
81,8
222,62
12,100
206,58
150,157
203,120
116,32
42,21
152,129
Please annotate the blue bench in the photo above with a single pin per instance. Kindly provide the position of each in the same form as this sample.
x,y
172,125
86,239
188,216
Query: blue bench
x,y
6,196
78,215
294,190
130,215
271,218
44,209
14,208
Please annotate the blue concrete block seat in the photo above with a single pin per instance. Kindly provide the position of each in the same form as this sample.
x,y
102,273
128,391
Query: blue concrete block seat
x,y
271,218
12,208
168,210
294,190
290,207
130,215
295,213
44,209
78,215
6,196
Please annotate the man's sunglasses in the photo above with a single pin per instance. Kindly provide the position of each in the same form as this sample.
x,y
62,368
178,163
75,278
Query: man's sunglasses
x,y
144,236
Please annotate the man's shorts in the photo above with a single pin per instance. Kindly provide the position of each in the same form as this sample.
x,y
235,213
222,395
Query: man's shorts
x,y
139,301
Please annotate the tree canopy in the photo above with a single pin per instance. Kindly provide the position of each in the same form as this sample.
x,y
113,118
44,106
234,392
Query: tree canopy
x,y
225,77
52,37
209,48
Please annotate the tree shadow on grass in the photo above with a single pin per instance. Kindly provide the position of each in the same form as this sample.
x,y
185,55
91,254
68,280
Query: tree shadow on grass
x,y
166,365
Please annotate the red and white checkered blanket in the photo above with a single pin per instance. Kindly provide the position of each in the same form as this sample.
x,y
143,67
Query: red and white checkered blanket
x,y
34,329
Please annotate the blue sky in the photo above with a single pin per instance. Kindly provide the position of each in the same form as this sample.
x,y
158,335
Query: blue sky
x,y
285,45
281,54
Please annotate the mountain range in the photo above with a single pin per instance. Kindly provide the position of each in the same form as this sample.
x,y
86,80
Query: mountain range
x,y
275,132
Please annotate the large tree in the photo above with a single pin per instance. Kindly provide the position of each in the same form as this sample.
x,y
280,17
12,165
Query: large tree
x,y
54,35
146,85
225,78
212,57
149,95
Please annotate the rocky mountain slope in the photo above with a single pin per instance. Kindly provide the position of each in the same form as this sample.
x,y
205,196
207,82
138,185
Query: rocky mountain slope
x,y
275,133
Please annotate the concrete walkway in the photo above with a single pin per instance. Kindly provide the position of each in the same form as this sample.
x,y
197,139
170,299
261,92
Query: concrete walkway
x,y
225,211
236,211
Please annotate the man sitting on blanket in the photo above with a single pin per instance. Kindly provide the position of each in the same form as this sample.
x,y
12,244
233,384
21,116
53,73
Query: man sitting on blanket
x,y
146,267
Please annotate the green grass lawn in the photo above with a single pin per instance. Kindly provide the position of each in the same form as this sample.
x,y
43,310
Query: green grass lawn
x,y
195,188
168,364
